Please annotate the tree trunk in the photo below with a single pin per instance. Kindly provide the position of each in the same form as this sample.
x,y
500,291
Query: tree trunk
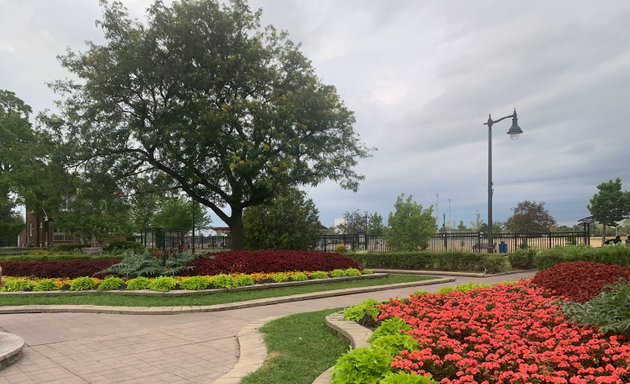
x,y
604,235
236,229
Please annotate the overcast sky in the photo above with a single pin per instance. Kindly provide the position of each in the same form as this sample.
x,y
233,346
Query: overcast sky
x,y
422,77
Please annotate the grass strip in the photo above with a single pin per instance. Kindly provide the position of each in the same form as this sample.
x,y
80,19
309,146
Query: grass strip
x,y
104,298
300,347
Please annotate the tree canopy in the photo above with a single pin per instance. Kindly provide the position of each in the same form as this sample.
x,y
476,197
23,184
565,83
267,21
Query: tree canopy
x,y
290,221
530,216
410,227
610,204
202,95
356,221
176,213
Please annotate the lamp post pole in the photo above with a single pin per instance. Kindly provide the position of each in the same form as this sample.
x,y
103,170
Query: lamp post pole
x,y
514,133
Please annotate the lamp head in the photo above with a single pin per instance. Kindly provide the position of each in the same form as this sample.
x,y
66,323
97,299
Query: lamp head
x,y
514,131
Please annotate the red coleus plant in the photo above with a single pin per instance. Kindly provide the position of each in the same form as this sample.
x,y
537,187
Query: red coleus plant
x,y
269,261
60,268
580,280
505,334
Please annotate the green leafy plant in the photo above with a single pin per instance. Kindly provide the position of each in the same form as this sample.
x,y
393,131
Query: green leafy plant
x,y
338,273
362,365
352,272
163,284
393,344
299,276
391,326
609,311
195,283
83,284
244,280
45,285
522,258
406,378
138,283
280,277
18,285
364,313
151,264
466,287
223,281
319,275
111,283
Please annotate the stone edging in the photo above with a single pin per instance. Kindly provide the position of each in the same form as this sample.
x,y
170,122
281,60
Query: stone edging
x,y
10,349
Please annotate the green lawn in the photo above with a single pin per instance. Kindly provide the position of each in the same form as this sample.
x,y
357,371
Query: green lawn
x,y
300,347
103,298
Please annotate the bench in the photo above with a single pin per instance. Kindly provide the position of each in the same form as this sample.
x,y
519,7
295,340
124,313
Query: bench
x,y
477,247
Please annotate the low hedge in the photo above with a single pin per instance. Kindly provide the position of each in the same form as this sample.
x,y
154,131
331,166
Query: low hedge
x,y
439,261
610,254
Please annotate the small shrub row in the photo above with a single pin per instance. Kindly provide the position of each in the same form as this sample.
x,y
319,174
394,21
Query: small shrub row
x,y
611,254
268,261
160,283
442,261
579,280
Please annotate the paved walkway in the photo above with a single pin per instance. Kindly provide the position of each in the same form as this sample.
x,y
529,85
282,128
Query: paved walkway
x,y
182,348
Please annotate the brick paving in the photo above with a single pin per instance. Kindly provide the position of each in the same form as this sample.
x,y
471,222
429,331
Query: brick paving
x,y
181,348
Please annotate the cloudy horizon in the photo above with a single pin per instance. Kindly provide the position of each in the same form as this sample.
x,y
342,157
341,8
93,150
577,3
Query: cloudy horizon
x,y
422,78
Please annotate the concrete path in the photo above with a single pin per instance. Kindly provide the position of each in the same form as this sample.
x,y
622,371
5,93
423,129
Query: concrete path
x,y
181,348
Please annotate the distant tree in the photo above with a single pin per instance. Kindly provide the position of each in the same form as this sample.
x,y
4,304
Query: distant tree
x,y
410,226
610,204
497,227
530,216
11,222
356,221
230,110
290,221
176,213
478,223
462,227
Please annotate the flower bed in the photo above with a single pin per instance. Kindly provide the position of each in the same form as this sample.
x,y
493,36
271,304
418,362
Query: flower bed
x,y
504,334
58,268
269,261
579,280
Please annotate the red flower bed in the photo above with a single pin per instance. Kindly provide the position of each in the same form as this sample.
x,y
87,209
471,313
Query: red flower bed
x,y
505,334
579,280
60,268
269,261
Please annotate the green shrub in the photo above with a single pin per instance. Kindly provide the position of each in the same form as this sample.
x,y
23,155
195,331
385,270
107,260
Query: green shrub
x,y
83,284
362,365
466,287
319,275
406,378
338,273
393,344
223,281
244,280
424,260
353,272
18,285
544,260
45,285
195,283
493,263
609,311
67,248
111,283
299,276
367,272
147,264
358,312
280,277
163,284
121,246
391,326
138,283
522,259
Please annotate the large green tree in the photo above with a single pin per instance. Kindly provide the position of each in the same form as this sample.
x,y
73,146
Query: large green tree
x,y
610,204
231,111
530,216
357,221
177,213
410,226
290,221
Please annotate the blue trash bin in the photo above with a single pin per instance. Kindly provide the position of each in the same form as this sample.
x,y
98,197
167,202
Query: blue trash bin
x,y
502,247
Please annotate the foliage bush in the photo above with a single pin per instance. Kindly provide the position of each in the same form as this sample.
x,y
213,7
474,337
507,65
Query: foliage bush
x,y
243,280
338,273
362,365
83,284
18,285
223,281
522,258
466,287
67,248
57,268
111,283
609,311
424,260
319,275
579,280
614,254
352,272
268,261
395,343
150,264
406,378
45,285
138,283
391,326
341,248
363,313
163,284
280,277
122,246
299,276
195,283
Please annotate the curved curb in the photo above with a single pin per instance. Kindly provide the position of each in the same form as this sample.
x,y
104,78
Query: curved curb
x,y
355,333
209,308
10,349
252,352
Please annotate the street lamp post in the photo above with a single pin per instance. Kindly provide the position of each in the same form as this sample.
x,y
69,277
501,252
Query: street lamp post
x,y
514,133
